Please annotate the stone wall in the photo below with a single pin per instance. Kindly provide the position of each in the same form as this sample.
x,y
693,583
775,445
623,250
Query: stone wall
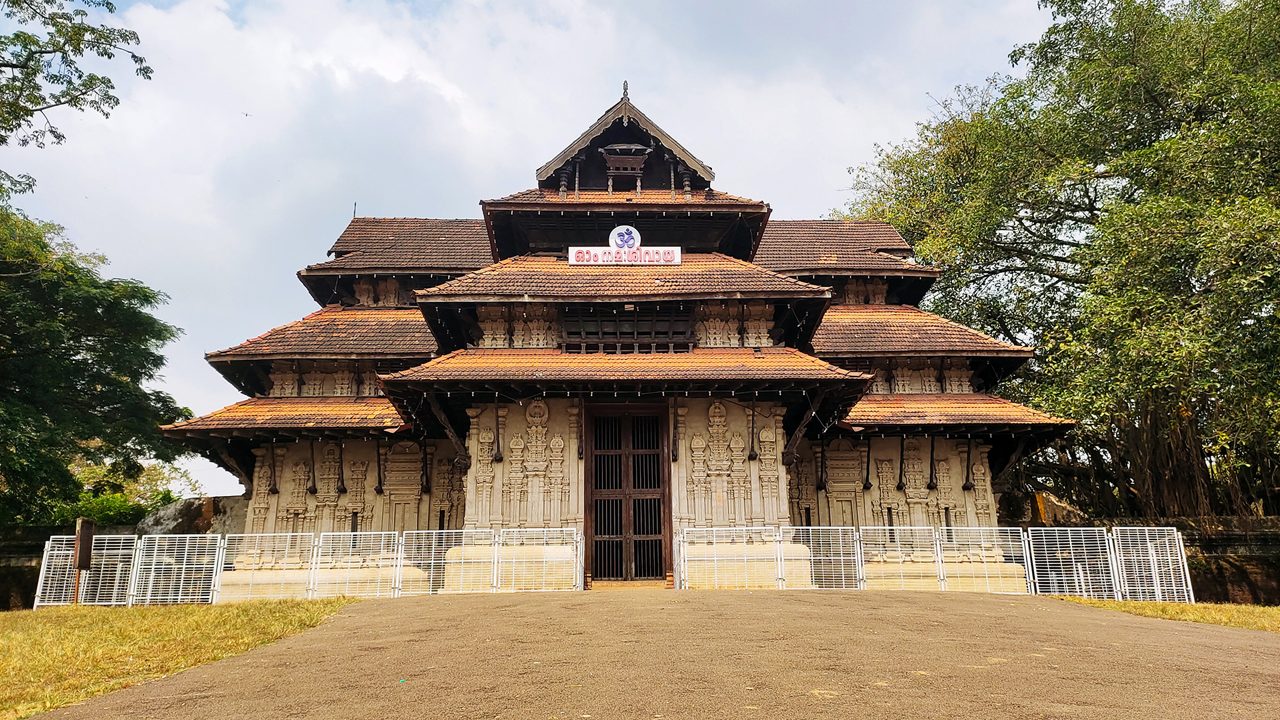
x,y
322,486
847,501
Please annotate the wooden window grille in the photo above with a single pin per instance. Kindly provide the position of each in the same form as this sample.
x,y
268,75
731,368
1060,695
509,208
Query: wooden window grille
x,y
627,329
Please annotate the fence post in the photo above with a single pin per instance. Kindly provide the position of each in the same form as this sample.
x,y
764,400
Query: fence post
x,y
1155,572
312,578
937,560
497,560
397,576
859,561
1186,570
1113,564
779,562
220,559
1028,563
134,571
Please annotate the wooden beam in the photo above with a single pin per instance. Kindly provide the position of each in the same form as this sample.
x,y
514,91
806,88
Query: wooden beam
x,y
464,457
789,452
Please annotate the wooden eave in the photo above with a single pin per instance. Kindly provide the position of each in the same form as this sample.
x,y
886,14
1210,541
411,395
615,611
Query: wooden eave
x,y
620,110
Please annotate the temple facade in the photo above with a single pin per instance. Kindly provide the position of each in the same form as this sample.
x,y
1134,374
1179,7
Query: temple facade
x,y
625,350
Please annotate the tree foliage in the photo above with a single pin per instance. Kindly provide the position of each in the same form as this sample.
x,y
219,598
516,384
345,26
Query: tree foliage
x,y
40,70
1118,204
110,499
77,352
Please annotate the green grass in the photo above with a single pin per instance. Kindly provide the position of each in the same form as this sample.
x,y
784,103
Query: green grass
x,y
58,656
1251,617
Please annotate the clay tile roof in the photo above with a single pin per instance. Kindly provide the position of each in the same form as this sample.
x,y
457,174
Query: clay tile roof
x,y
345,332
553,365
296,413
409,244
883,330
541,196
834,247
698,275
943,409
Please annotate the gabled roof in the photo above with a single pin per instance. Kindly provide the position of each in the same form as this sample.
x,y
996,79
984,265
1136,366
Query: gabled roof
x,y
889,330
307,415
836,247
340,332
555,366
532,277
958,411
602,199
423,244
627,113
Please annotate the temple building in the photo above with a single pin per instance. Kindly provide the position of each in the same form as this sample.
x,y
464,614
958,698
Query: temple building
x,y
626,350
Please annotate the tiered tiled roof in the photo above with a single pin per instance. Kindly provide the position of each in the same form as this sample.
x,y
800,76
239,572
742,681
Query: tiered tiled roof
x,y
709,364
405,244
926,410
341,332
836,247
548,278
540,196
885,330
296,413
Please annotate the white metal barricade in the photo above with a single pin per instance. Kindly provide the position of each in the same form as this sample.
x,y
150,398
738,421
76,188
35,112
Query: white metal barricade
x,y
901,558
538,559
56,583
1151,564
359,564
1073,561
259,566
729,558
819,558
106,582
446,561
172,569
984,559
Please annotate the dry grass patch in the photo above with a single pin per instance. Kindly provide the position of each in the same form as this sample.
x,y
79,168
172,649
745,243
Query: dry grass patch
x,y
59,656
1251,617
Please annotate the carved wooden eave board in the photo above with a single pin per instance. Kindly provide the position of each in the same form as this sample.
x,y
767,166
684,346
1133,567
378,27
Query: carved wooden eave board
x,y
628,113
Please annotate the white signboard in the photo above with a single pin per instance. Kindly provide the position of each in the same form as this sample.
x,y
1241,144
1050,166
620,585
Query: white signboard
x,y
624,249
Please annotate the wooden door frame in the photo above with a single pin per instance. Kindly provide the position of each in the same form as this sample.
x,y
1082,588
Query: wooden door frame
x,y
589,412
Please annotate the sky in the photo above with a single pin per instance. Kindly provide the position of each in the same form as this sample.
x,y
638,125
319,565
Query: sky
x,y
268,122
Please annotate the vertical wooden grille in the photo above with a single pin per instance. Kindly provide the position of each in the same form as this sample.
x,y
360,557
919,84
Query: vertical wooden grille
x,y
629,518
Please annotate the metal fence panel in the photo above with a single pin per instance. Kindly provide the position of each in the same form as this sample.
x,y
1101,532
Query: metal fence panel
x,y
57,576
260,566
1151,564
1073,561
819,558
984,559
106,582
900,558
447,561
360,564
740,558
538,559
172,569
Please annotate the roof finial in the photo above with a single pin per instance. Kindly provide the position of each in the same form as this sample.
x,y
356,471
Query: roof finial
x,y
625,96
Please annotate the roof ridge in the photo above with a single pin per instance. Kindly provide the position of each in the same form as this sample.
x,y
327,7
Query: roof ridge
x,y
416,217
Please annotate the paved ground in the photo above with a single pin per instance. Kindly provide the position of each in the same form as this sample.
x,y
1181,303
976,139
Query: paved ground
x,y
658,653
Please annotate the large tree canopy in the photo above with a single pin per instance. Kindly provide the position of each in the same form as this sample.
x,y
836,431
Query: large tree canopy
x,y
40,70
1117,203
77,351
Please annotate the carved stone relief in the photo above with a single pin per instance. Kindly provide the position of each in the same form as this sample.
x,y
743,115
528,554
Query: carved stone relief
x,y
284,382
757,325
493,326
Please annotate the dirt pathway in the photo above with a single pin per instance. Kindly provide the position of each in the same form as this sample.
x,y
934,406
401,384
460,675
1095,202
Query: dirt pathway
x,y
659,653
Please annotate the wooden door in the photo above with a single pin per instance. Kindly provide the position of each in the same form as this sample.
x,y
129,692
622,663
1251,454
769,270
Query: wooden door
x,y
628,518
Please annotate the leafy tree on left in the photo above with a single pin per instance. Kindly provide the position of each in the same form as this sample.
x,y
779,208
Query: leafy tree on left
x,y
77,352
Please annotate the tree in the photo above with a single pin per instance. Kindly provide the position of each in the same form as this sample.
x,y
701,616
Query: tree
x,y
1117,204
77,351
40,71
112,500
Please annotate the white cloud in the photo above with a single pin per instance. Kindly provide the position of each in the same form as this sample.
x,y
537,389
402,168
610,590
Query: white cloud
x,y
239,163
